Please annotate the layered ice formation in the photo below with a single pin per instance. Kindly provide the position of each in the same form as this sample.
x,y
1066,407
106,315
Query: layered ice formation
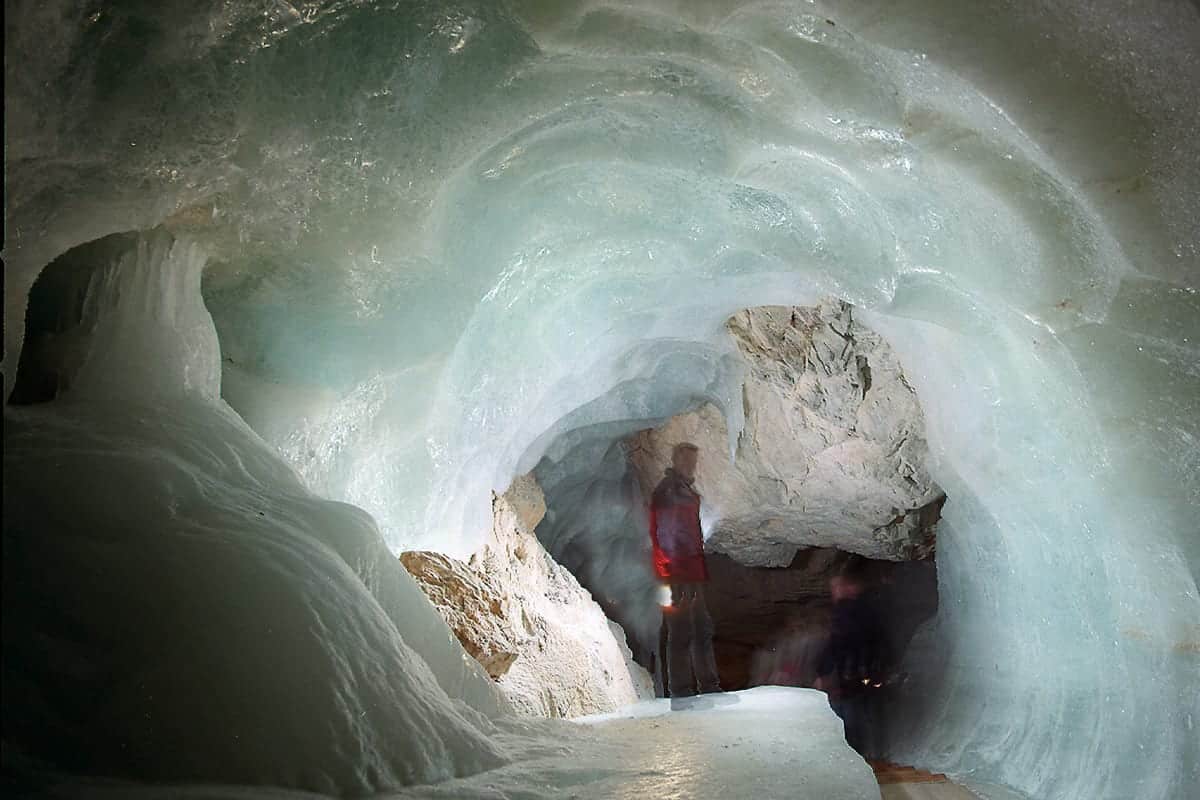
x,y
178,607
443,240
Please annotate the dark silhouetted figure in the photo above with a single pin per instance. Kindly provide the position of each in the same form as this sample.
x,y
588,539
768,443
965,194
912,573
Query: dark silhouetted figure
x,y
678,545
853,667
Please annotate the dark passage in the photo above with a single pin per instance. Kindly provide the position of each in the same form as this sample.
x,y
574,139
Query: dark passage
x,y
771,624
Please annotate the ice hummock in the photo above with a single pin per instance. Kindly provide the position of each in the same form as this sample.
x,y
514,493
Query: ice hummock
x,y
178,606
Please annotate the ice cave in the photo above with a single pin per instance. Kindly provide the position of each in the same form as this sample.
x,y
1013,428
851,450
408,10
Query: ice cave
x,y
347,343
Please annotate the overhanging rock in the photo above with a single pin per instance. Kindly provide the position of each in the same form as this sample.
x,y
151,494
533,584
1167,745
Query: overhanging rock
x,y
833,452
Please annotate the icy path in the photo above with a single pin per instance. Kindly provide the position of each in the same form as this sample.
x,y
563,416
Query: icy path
x,y
767,743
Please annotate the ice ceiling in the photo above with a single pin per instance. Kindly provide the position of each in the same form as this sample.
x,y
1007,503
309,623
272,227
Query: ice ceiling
x,y
443,240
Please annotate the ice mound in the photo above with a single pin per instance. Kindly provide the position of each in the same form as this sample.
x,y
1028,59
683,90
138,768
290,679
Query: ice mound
x,y
178,607
445,239
192,614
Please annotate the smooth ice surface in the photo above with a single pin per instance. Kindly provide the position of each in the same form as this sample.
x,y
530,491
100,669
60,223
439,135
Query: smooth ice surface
x,y
444,236
771,743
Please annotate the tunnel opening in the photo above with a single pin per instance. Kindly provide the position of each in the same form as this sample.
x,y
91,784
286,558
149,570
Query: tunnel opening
x,y
771,623
54,345
826,479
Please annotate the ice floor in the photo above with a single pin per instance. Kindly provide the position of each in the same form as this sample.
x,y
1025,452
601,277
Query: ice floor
x,y
767,742
764,743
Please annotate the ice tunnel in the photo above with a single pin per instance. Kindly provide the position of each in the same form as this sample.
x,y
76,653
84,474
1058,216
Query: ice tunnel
x,y
294,287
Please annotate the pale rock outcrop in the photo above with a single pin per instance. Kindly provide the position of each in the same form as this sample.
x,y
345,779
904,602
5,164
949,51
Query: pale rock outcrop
x,y
527,620
471,604
832,453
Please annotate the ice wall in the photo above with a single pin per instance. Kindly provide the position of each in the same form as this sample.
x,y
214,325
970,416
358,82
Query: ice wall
x,y
178,607
444,234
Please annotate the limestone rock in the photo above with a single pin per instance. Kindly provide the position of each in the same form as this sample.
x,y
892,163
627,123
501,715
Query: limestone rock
x,y
527,620
643,682
832,453
471,604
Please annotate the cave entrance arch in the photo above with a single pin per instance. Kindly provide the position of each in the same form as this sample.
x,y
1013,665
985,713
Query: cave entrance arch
x,y
826,471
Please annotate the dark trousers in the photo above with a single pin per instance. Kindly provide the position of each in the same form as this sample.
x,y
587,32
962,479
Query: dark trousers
x,y
856,707
690,660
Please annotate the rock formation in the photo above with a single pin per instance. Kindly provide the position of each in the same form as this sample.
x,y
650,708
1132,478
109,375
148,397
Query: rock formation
x,y
526,619
832,453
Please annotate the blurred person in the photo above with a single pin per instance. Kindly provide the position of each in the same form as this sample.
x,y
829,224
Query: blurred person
x,y
792,657
678,548
853,666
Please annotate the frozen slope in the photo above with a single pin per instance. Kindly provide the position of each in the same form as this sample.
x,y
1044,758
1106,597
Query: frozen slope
x,y
178,607
441,237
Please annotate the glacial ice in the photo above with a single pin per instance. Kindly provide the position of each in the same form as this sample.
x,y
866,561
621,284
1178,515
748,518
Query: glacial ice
x,y
180,607
786,743
444,240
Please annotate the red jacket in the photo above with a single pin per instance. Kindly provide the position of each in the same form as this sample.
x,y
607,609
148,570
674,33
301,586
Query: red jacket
x,y
675,531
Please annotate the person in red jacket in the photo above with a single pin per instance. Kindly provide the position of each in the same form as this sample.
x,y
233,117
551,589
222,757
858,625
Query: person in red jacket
x,y
678,546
